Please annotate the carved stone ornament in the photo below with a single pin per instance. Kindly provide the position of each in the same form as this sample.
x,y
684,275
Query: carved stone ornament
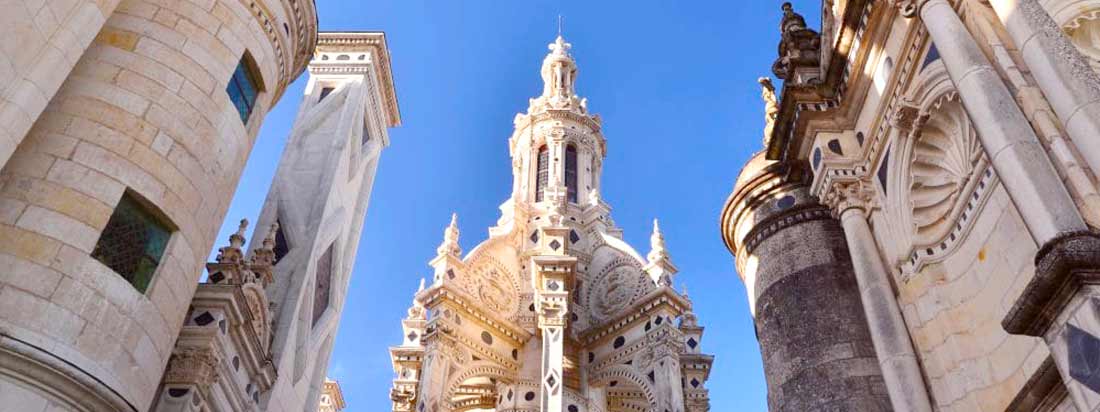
x,y
666,342
842,196
193,366
908,8
771,107
799,46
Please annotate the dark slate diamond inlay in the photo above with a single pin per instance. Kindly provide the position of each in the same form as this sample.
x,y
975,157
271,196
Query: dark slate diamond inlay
x,y
535,236
554,244
551,381
574,237
1084,357
204,319
692,343
694,383
412,336
217,277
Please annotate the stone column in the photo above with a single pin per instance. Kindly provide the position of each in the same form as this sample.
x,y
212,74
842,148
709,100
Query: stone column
x,y
597,399
552,304
896,357
434,375
667,344
1004,131
1062,73
1059,302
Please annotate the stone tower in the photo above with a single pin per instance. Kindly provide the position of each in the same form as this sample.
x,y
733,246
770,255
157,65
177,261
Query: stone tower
x,y
126,125
955,144
806,307
554,311
318,201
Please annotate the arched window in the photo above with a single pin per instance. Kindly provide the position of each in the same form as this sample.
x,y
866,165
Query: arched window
x,y
571,173
543,173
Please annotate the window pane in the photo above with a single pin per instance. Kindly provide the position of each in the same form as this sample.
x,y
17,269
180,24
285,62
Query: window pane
x,y
248,87
242,90
543,173
571,173
132,243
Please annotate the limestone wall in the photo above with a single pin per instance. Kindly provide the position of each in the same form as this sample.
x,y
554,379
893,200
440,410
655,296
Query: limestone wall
x,y
954,307
144,110
43,39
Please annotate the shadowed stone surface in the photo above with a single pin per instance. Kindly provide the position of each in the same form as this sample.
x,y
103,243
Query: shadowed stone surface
x,y
813,335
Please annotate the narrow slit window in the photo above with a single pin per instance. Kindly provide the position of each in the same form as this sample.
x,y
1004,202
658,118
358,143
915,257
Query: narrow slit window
x,y
281,245
133,242
243,88
325,91
571,172
322,283
543,173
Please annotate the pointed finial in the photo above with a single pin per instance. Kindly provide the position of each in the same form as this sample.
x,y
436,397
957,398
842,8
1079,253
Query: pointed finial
x,y
657,244
450,239
269,240
416,311
561,22
237,239
233,253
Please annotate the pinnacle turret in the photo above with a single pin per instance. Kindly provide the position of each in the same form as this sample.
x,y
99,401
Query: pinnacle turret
x,y
450,239
657,244
660,266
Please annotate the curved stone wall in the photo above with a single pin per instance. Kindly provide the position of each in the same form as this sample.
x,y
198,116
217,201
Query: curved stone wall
x,y
809,320
144,112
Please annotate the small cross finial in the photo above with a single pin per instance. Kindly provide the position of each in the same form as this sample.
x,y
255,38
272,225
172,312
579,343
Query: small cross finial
x,y
561,22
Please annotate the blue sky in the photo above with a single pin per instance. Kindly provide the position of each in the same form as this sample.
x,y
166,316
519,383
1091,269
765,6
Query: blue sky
x,y
676,87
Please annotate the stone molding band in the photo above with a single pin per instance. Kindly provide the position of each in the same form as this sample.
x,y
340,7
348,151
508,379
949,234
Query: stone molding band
x,y
1045,385
33,365
1062,265
774,224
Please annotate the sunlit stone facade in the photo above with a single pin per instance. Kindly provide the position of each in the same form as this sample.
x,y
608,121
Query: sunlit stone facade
x,y
126,125
947,150
554,312
121,146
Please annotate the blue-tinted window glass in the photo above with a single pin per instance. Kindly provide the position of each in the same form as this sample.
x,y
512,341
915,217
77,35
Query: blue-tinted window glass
x,y
242,90
132,243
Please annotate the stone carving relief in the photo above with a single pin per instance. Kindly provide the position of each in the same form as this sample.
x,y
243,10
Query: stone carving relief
x,y
614,288
938,176
943,159
496,287
1084,32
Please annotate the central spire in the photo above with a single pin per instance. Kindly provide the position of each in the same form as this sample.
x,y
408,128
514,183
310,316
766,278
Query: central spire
x,y
559,75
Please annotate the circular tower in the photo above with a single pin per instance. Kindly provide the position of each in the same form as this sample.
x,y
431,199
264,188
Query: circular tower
x,y
111,203
794,261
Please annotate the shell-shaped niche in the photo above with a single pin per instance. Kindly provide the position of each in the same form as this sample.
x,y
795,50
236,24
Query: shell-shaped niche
x,y
1084,32
944,157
